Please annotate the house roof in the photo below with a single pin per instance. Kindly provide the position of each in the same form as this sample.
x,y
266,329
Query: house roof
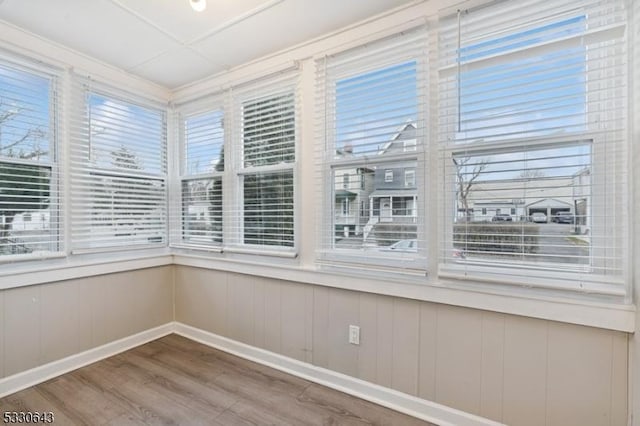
x,y
402,134
549,202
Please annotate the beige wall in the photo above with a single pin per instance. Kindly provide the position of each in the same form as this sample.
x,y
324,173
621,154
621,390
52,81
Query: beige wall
x,y
43,323
517,370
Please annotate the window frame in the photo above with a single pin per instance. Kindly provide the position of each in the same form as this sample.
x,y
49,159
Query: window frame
x,y
184,112
83,89
409,178
286,84
579,279
408,265
55,164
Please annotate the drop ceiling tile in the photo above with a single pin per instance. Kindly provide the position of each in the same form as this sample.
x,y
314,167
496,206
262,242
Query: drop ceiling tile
x,y
304,19
248,39
147,37
178,19
98,28
176,67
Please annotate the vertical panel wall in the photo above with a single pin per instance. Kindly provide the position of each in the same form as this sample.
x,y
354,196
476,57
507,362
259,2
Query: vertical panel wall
x,y
512,369
44,323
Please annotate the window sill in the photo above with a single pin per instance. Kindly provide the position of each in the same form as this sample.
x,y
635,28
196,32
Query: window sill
x,y
51,270
612,316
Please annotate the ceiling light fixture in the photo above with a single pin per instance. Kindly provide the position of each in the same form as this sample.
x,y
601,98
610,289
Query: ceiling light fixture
x,y
198,5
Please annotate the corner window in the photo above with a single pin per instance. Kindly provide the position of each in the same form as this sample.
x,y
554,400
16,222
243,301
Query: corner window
x,y
202,175
118,171
266,173
237,171
30,217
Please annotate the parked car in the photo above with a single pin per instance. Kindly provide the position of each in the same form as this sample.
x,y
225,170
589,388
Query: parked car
x,y
502,217
458,254
563,217
539,218
404,246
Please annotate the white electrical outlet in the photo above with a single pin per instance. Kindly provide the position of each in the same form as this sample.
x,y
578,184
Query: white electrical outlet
x,y
354,334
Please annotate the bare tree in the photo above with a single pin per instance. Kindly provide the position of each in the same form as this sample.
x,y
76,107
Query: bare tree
x,y
467,174
15,148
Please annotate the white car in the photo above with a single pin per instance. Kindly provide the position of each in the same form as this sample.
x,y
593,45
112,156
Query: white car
x,y
539,218
404,246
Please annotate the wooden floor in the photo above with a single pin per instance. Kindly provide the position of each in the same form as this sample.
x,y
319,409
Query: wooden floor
x,y
174,380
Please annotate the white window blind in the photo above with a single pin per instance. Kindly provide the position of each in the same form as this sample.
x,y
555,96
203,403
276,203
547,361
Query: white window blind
x,y
118,170
533,143
264,159
370,104
202,168
30,221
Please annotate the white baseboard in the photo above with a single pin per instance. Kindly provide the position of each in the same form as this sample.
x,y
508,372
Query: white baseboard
x,y
25,379
404,403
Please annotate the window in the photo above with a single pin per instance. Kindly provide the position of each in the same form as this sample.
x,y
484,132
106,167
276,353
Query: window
x,y
371,102
118,166
345,181
238,184
409,178
534,123
266,164
345,207
202,171
29,184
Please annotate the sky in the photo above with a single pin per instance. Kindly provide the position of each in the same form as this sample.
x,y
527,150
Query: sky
x,y
371,107
116,125
29,95
204,139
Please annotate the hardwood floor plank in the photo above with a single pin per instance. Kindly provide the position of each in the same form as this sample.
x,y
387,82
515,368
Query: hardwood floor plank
x,y
193,387
31,400
127,420
227,362
176,381
157,394
245,413
341,408
81,401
